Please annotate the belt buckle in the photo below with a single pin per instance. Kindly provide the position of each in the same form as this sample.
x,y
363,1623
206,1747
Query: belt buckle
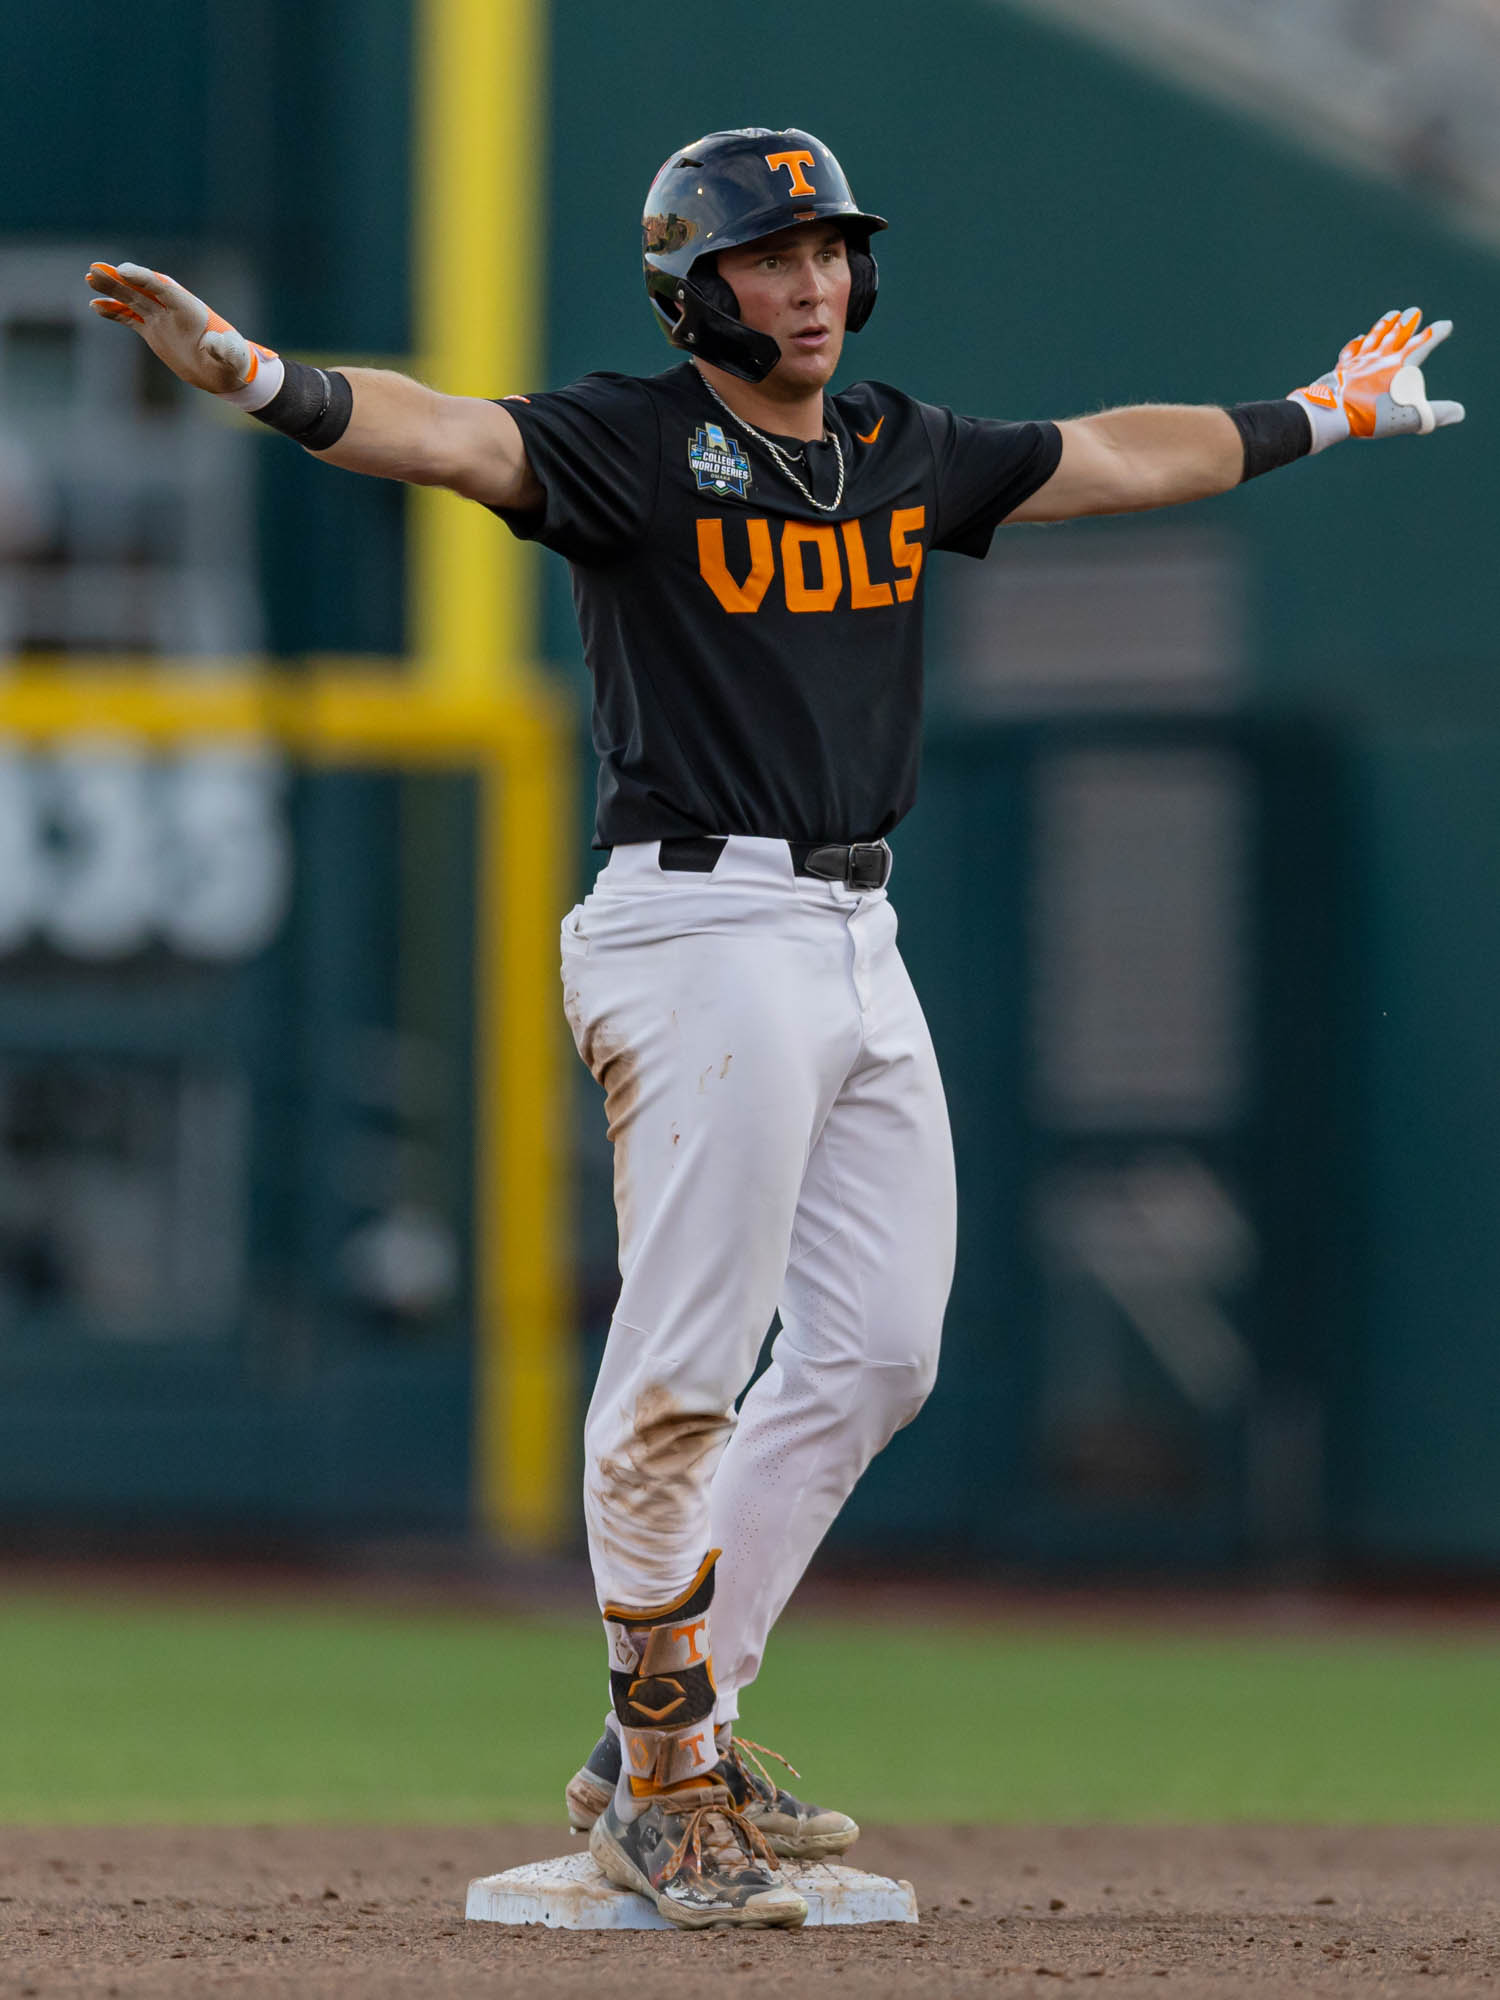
x,y
869,865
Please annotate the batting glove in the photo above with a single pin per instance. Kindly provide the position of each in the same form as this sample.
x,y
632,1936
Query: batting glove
x,y
195,342
1377,389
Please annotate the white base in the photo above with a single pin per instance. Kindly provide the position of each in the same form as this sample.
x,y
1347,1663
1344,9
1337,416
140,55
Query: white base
x,y
570,1894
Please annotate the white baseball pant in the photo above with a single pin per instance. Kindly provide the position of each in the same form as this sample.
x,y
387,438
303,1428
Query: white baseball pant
x,y
780,1141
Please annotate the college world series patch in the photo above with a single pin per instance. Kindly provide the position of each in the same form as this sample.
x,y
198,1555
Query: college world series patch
x,y
719,463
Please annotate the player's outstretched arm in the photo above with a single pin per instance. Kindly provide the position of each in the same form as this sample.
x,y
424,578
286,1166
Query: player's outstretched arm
x,y
364,419
400,429
1123,461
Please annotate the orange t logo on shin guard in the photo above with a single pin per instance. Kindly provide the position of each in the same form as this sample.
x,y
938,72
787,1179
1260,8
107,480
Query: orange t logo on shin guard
x,y
689,1634
794,163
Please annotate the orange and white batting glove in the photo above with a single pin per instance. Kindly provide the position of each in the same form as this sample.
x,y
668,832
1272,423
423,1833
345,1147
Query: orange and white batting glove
x,y
193,340
1376,388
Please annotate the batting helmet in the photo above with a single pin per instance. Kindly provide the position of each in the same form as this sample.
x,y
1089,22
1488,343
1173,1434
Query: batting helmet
x,y
730,188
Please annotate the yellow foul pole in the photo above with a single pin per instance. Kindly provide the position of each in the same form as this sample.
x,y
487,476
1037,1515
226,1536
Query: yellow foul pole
x,y
477,274
479,138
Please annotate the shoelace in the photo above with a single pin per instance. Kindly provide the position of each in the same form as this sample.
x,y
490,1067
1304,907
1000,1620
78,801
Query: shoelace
x,y
740,1838
742,1752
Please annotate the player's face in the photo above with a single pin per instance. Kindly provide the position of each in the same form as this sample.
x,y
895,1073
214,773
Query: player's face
x,y
795,285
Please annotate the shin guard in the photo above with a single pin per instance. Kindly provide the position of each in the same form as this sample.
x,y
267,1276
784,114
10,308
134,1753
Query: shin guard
x,y
661,1679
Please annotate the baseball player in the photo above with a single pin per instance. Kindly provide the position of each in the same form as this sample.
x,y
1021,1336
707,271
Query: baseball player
x,y
748,552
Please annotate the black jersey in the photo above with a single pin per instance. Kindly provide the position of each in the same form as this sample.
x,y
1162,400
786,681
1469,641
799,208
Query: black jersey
x,y
757,663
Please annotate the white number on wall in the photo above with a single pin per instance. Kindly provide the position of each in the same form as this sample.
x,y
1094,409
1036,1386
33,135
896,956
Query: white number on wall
x,y
104,850
103,894
226,852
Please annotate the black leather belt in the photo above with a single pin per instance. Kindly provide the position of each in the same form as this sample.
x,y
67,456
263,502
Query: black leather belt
x,y
864,864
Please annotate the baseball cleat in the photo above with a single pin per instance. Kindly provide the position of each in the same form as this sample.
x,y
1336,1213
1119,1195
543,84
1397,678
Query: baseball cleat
x,y
592,1785
698,1860
791,1828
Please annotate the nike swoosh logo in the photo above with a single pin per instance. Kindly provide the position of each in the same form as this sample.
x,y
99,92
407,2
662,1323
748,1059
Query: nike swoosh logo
x,y
869,437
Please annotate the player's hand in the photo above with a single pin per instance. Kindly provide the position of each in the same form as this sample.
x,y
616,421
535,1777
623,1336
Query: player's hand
x,y
197,344
1376,388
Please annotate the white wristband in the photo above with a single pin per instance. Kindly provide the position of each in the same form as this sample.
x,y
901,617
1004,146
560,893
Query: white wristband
x,y
263,384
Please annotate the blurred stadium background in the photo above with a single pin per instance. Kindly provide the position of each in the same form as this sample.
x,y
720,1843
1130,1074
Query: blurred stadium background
x,y
305,1237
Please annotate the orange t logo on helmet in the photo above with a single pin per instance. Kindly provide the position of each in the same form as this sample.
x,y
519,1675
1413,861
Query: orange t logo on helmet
x,y
794,163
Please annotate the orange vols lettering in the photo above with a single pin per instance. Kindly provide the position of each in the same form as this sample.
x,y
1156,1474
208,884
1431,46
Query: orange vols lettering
x,y
869,437
862,593
690,1633
823,594
904,554
800,596
794,163
714,569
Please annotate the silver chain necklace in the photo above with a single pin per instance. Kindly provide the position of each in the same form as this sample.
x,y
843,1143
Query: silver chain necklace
x,y
780,457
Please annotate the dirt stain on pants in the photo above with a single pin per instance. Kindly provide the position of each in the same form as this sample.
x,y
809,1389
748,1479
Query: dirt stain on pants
x,y
616,1067
657,1477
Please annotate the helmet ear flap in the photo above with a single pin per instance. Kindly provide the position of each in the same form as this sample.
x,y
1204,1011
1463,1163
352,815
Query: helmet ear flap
x,y
718,291
864,281
693,319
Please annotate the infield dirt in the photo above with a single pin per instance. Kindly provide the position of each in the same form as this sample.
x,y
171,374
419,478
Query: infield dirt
x,y
370,1912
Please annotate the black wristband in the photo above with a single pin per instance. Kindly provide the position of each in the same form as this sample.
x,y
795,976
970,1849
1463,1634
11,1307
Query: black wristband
x,y
311,406
1272,433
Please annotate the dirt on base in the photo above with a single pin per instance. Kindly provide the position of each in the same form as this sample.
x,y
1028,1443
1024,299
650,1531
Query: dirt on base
x,y
369,1912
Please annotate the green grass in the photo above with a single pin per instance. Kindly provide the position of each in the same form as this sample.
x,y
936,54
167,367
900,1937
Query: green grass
x,y
131,1711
